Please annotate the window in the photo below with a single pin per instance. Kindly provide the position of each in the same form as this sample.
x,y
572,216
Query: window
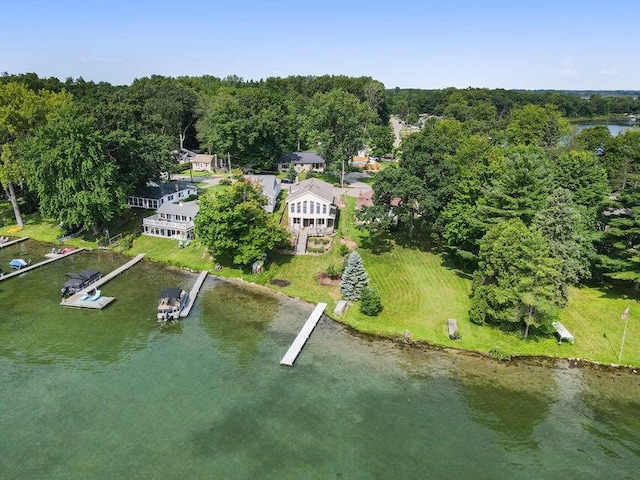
x,y
304,207
324,208
298,207
292,207
311,207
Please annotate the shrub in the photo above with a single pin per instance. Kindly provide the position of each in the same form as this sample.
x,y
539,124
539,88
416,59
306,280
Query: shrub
x,y
333,271
343,249
225,181
370,303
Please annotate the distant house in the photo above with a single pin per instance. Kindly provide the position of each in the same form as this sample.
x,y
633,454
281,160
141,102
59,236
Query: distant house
x,y
172,220
312,207
204,163
183,155
302,161
270,189
365,199
365,163
156,194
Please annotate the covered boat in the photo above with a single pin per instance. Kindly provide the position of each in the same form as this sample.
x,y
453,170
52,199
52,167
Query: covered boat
x,y
18,263
172,301
79,281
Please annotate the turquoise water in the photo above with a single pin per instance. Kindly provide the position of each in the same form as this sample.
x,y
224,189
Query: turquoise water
x,y
113,394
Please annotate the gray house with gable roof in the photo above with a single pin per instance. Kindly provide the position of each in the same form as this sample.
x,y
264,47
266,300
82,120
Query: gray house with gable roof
x,y
172,220
302,161
270,188
156,194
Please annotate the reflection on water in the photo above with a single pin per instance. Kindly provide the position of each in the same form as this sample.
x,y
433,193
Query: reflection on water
x,y
114,394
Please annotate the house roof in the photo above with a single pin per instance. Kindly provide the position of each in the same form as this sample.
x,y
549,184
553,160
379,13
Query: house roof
x,y
365,199
202,158
190,209
269,183
312,185
301,158
157,190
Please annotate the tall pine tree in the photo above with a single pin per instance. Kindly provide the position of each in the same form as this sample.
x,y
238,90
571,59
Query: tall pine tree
x,y
354,277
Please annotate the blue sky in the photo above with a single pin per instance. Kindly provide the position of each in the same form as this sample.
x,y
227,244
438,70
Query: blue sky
x,y
561,44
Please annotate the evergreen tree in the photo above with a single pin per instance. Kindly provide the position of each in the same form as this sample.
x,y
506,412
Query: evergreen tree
x,y
516,280
354,277
564,227
370,303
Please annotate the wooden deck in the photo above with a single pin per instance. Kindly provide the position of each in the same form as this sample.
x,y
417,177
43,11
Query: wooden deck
x,y
13,242
28,268
303,336
194,293
75,300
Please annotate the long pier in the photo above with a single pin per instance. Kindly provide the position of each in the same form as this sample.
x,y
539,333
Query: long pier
x,y
12,242
77,300
194,293
303,336
28,268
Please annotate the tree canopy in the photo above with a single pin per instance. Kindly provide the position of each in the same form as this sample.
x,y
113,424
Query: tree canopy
x,y
234,224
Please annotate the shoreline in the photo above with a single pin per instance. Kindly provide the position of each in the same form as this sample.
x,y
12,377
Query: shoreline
x,y
537,360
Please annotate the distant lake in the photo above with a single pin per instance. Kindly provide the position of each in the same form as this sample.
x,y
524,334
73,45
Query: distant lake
x,y
614,128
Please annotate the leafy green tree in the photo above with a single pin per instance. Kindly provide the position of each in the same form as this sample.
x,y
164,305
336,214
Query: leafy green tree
x,y
397,194
591,139
515,284
68,166
370,302
233,223
536,125
354,277
337,123
22,111
380,139
563,225
622,160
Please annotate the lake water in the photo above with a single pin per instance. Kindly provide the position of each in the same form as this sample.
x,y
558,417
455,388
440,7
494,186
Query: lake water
x,y
113,394
614,129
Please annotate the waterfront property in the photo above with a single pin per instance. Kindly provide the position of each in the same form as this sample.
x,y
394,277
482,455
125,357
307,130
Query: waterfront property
x,y
172,220
156,194
172,301
270,188
302,162
312,207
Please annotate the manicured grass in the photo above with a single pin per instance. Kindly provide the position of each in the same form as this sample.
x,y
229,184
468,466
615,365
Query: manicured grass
x,y
196,173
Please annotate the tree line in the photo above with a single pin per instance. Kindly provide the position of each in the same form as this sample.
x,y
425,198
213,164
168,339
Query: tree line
x,y
469,103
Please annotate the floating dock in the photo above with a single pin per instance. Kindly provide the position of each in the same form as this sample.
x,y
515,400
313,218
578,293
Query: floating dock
x,y
194,293
20,271
303,336
78,301
12,242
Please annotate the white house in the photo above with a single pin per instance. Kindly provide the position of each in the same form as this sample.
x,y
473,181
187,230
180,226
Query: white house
x,y
312,207
156,194
172,220
270,189
204,163
302,161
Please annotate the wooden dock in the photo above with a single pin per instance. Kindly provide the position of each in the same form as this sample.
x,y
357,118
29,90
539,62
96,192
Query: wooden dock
x,y
303,336
76,300
13,242
194,293
28,268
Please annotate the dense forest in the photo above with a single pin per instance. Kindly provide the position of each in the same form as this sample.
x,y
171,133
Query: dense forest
x,y
497,179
